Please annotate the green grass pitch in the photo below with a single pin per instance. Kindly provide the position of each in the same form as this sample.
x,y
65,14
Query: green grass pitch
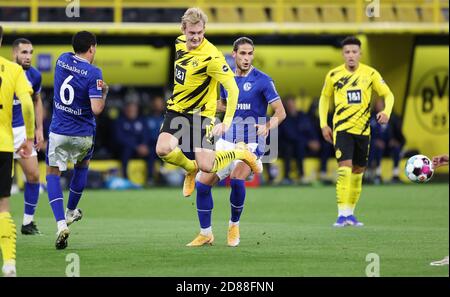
x,y
285,231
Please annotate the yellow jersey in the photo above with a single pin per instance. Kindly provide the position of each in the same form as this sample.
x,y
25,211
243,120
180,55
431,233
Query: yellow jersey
x,y
352,93
13,81
197,75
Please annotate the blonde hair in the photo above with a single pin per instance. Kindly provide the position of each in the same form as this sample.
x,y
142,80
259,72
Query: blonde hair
x,y
193,16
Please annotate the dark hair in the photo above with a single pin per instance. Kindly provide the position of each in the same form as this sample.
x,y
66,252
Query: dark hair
x,y
240,41
19,41
1,32
351,40
82,41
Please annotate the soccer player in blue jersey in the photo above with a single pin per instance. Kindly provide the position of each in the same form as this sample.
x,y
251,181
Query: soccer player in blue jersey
x,y
249,128
23,55
79,95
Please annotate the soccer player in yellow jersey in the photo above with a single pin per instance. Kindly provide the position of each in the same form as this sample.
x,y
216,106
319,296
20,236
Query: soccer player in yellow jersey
x,y
12,81
351,85
199,69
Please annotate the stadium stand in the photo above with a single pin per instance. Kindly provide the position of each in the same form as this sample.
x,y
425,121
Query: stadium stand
x,y
226,15
247,11
254,14
308,14
407,13
333,14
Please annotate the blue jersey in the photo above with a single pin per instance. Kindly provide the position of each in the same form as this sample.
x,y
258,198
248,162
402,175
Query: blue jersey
x,y
35,79
256,92
76,82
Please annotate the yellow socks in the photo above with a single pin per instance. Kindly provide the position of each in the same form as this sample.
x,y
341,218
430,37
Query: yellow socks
x,y
343,185
7,238
224,158
355,189
176,157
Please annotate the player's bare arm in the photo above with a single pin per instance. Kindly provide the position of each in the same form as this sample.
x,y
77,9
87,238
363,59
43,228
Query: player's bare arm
x,y
39,132
98,105
25,149
278,116
380,86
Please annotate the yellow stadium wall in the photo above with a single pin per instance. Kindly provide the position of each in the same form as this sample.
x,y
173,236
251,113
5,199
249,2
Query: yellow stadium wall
x,y
135,65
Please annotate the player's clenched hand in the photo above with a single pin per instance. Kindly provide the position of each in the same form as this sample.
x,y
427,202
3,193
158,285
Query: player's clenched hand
x,y
25,149
327,134
220,129
382,118
39,139
439,161
262,130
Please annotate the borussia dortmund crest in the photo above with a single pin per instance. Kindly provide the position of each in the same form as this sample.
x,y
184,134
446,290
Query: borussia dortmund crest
x,y
338,153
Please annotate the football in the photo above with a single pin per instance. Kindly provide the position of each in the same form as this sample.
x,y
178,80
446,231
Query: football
x,y
419,169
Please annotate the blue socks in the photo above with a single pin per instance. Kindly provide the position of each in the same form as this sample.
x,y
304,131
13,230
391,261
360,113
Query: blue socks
x,y
237,198
204,204
31,198
77,184
55,196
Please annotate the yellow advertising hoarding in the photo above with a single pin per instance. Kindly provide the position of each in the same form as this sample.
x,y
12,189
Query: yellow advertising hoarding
x,y
426,116
135,65
297,69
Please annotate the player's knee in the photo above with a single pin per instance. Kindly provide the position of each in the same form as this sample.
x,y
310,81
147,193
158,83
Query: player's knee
x,y
240,174
237,176
32,177
162,150
208,179
204,165
358,169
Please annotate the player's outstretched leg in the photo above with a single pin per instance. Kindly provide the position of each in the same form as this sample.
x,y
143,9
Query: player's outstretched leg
x,y
56,199
77,185
177,157
237,198
224,158
8,244
204,210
